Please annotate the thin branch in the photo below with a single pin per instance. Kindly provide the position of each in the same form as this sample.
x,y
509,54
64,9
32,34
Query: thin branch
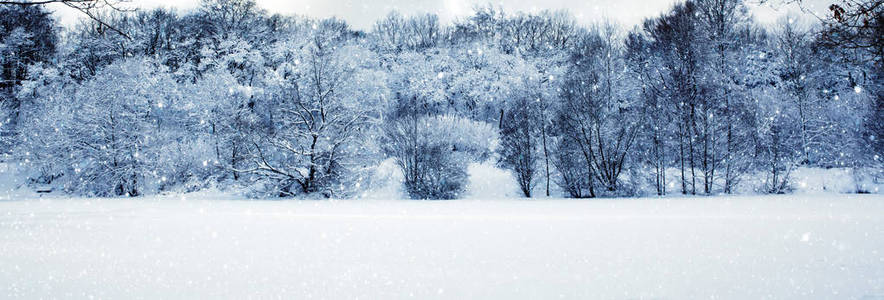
x,y
86,7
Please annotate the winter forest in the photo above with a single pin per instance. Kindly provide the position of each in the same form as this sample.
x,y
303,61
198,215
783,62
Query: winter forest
x,y
232,149
700,100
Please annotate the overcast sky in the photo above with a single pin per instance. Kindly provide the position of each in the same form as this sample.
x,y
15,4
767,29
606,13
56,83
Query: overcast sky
x,y
361,14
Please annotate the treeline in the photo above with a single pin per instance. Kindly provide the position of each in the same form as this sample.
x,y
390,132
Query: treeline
x,y
692,101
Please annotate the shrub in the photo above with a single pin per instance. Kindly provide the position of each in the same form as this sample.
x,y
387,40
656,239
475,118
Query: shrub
x,y
433,152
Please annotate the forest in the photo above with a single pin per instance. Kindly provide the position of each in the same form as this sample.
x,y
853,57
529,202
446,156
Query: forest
x,y
696,100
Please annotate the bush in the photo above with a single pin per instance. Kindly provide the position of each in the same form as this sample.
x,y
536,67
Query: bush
x,y
433,152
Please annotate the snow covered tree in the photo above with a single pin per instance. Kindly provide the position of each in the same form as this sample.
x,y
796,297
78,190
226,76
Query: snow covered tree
x,y
236,56
599,112
138,102
397,33
105,137
674,40
569,159
779,139
656,133
796,70
486,77
854,29
520,141
27,37
224,109
422,82
721,21
324,103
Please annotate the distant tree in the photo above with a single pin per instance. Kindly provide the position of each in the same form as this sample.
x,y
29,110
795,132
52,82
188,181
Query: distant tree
x,y
221,20
92,46
485,24
162,34
397,33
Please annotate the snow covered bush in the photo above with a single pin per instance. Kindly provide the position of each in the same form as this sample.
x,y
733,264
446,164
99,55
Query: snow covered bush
x,y
476,139
434,152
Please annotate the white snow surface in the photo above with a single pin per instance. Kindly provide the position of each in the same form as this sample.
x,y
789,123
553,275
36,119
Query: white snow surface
x,y
207,245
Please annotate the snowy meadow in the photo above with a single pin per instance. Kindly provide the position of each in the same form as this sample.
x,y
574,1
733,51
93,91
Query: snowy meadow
x,y
228,151
208,246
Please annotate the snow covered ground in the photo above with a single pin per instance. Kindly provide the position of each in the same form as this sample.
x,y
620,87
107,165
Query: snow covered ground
x,y
201,246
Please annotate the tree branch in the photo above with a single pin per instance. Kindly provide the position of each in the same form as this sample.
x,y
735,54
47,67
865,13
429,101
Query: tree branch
x,y
87,7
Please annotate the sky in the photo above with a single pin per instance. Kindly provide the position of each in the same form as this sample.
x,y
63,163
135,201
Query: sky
x,y
361,14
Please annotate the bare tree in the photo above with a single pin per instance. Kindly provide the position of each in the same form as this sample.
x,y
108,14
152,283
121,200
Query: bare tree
x,y
852,24
519,143
856,29
721,21
599,110
90,8
675,37
642,64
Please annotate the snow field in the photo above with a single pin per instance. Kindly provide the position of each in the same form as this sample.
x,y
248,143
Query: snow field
x,y
210,246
